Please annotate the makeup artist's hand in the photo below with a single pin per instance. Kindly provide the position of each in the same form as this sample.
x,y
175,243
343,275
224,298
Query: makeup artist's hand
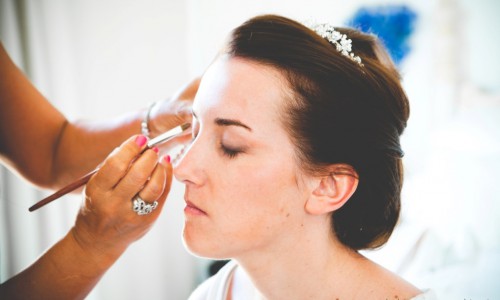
x,y
174,111
106,222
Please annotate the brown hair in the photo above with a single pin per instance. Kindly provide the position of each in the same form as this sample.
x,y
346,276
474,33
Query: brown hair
x,y
340,112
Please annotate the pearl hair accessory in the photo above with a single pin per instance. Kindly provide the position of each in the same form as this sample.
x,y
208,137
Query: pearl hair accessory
x,y
339,40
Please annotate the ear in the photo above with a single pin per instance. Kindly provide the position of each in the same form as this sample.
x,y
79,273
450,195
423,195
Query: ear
x,y
332,191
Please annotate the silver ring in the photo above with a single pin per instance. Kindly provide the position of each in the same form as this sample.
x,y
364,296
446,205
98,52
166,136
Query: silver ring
x,y
141,207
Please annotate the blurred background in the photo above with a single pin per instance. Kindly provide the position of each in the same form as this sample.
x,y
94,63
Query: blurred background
x,y
96,59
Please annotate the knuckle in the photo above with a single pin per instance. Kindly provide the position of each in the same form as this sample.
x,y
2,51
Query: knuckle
x,y
155,189
131,148
118,165
137,177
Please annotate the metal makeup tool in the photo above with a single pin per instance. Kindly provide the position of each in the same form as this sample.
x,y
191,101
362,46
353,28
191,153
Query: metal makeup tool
x,y
162,138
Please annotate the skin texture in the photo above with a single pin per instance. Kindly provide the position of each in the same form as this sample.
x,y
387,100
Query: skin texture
x,y
248,199
104,228
52,163
239,186
105,225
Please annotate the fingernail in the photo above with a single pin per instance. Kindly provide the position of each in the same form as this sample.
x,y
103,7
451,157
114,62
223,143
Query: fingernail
x,y
155,149
140,140
167,158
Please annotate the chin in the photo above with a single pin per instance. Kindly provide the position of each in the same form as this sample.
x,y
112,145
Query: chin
x,y
203,246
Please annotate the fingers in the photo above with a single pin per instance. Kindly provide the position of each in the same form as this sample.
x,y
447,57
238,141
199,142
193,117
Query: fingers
x,y
180,140
143,176
175,111
159,185
118,162
128,172
186,97
169,172
108,218
188,92
138,174
155,185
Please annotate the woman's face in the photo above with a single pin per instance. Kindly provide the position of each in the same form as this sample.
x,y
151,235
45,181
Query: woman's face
x,y
244,189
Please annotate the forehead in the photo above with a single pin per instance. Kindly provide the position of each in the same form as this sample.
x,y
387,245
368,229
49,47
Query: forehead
x,y
241,87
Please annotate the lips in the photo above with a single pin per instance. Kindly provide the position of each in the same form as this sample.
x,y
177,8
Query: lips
x,y
192,209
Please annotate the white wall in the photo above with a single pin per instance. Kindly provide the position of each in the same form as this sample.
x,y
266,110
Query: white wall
x,y
95,59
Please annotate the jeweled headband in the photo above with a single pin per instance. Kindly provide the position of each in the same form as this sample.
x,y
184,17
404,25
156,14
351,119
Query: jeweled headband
x,y
339,40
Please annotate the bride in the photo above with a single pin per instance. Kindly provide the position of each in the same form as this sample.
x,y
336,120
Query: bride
x,y
295,164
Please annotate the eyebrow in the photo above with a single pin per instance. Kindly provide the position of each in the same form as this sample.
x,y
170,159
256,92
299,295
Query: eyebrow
x,y
231,122
227,122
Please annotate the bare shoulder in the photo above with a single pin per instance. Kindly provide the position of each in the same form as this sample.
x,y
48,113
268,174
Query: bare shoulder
x,y
386,285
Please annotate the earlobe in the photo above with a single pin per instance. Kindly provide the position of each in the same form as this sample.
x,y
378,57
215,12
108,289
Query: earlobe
x,y
332,191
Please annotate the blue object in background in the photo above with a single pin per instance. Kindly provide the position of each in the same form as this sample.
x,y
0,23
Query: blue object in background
x,y
393,24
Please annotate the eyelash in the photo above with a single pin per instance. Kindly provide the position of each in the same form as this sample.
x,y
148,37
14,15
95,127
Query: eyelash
x,y
230,153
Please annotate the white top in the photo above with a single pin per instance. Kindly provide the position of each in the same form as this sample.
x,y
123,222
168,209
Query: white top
x,y
217,287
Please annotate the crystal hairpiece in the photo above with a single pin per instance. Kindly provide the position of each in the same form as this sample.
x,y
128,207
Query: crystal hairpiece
x,y
339,40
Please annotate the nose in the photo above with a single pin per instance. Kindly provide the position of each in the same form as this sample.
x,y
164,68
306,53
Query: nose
x,y
189,169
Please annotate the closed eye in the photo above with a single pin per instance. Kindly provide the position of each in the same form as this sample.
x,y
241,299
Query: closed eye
x,y
230,152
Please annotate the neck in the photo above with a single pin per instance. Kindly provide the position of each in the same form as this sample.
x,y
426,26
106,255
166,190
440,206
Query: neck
x,y
325,265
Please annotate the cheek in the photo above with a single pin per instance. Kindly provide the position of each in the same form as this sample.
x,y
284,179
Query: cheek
x,y
262,195
252,203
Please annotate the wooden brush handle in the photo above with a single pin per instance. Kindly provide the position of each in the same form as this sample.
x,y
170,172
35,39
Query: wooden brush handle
x,y
69,188
162,138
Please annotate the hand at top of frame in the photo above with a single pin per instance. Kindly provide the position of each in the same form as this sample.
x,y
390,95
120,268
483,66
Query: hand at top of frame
x,y
174,111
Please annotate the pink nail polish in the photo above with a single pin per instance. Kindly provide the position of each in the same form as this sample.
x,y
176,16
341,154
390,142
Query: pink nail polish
x,y
155,149
140,140
167,158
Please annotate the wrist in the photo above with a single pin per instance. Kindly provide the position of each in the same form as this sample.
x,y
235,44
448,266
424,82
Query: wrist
x,y
99,256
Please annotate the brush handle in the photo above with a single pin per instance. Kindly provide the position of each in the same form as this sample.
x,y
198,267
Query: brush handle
x,y
69,188
162,138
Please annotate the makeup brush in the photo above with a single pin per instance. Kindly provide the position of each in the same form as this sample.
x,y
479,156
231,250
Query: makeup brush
x,y
162,138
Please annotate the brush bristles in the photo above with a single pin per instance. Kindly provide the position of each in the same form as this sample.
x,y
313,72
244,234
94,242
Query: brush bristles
x,y
185,126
